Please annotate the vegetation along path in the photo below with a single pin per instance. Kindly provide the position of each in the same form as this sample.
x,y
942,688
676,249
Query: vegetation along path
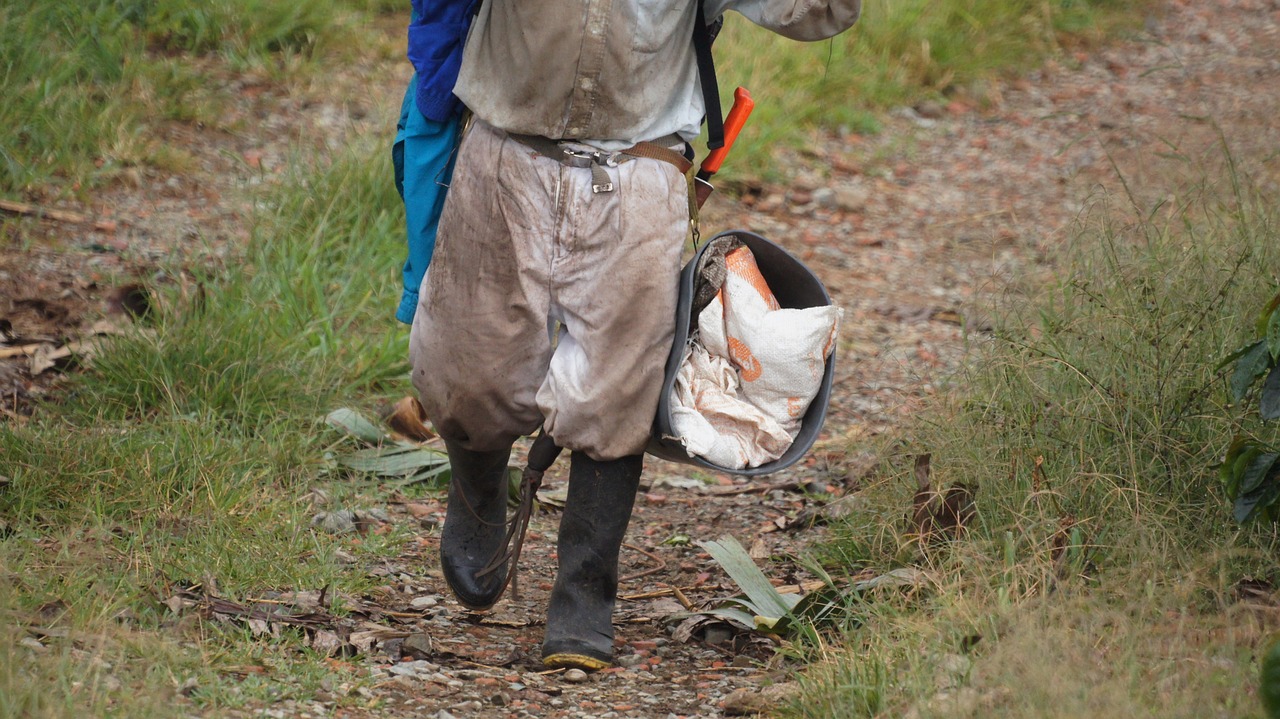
x,y
181,535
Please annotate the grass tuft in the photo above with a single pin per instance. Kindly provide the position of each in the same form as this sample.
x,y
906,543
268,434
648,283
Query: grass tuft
x,y
1099,578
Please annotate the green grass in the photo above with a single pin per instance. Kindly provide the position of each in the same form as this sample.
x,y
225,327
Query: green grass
x,y
85,83
1099,576
897,54
188,454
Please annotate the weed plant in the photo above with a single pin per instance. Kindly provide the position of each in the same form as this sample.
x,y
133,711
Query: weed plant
x,y
1100,576
187,454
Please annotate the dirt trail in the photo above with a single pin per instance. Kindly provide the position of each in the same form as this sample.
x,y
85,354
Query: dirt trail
x,y
915,230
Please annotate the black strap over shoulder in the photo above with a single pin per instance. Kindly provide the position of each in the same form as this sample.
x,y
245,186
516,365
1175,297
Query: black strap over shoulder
x,y
702,37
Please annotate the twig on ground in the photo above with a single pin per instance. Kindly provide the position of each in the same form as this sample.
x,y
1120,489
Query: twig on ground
x,y
758,488
26,209
662,564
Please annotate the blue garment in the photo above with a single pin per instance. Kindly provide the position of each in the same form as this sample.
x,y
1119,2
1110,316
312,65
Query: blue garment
x,y
427,132
437,33
423,157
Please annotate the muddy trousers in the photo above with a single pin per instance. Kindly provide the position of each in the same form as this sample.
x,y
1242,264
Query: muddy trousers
x,y
548,303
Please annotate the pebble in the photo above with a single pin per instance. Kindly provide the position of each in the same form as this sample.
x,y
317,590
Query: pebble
x,y
575,676
929,109
851,198
825,197
424,602
418,646
413,669
342,521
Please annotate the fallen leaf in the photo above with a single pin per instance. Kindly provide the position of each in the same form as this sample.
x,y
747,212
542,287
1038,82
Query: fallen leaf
x,y
408,418
326,642
419,510
371,634
354,424
41,358
676,482
554,497
902,577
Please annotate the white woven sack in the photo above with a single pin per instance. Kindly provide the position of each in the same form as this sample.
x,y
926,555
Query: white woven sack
x,y
779,356
714,423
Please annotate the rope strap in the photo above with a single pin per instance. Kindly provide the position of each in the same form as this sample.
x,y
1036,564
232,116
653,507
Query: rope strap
x,y
542,455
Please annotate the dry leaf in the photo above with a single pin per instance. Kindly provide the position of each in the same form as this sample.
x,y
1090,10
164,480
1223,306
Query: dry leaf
x,y
327,643
409,419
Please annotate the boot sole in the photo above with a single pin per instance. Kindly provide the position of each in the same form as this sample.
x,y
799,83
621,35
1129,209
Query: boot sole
x,y
570,660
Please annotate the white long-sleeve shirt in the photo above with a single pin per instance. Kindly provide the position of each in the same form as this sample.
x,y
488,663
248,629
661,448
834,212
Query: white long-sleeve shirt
x,y
609,73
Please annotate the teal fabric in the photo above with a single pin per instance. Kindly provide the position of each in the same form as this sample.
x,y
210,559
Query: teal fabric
x,y
423,156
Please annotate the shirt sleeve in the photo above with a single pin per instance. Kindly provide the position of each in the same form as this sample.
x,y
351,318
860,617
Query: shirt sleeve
x,y
795,19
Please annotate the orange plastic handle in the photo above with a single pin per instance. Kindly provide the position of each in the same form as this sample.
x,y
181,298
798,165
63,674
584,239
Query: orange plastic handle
x,y
742,107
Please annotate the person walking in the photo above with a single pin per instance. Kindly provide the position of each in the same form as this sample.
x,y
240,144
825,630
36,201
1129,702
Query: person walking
x,y
551,296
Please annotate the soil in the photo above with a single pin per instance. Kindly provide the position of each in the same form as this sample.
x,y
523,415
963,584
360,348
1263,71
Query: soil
x,y
917,232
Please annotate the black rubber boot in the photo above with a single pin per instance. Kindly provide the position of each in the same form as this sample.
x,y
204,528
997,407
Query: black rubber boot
x,y
596,512
475,525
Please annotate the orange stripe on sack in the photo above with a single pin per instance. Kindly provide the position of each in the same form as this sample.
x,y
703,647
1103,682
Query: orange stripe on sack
x,y
748,366
743,264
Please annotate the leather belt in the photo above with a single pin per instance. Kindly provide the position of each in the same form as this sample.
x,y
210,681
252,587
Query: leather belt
x,y
566,153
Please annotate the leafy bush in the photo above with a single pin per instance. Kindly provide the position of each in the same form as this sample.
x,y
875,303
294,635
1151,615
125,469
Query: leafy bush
x,y
1250,473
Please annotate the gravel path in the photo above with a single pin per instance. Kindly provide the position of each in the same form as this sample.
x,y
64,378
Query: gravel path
x,y
917,231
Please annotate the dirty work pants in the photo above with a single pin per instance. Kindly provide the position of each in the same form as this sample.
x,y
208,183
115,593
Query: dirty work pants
x,y
548,304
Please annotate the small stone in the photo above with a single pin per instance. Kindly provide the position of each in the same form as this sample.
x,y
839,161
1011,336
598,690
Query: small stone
x,y
771,203
825,197
717,635
403,670
575,676
417,668
32,643
851,198
929,109
416,646
424,602
629,660
342,521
